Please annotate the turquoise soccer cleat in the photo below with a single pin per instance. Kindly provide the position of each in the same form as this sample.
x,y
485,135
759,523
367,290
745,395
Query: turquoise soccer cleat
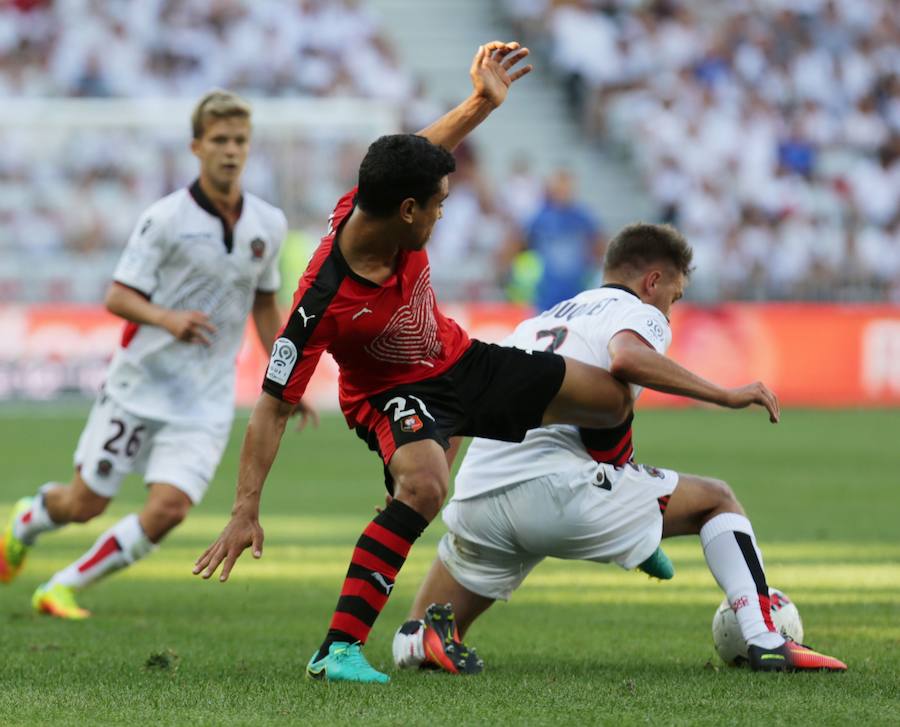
x,y
658,565
344,663
13,550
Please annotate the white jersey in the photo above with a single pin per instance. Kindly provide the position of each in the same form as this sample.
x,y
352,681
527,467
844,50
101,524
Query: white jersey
x,y
183,256
580,328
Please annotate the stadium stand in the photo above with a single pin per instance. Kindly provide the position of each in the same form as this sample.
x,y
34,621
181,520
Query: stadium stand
x,y
769,132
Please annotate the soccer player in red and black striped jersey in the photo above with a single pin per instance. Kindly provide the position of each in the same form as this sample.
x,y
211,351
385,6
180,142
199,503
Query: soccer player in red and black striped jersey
x,y
410,378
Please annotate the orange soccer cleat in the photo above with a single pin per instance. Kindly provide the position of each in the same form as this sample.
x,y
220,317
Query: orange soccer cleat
x,y
791,656
443,649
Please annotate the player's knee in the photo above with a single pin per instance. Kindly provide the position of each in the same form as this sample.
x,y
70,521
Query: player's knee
x,y
423,490
168,513
723,497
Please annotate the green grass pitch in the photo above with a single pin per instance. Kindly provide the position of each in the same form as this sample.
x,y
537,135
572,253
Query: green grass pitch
x,y
578,644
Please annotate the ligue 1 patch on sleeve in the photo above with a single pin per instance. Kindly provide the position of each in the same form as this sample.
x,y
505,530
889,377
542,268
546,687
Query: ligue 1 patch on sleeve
x,y
655,330
282,360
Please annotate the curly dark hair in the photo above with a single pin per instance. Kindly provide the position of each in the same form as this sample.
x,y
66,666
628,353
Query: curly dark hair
x,y
400,166
641,244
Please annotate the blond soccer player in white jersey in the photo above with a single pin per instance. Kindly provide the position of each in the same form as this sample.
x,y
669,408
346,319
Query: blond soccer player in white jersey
x,y
197,264
571,493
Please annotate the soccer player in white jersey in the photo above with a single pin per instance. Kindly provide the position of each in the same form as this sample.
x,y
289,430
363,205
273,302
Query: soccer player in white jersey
x,y
572,493
197,264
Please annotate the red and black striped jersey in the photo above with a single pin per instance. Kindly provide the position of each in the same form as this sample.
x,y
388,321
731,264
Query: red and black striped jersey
x,y
381,336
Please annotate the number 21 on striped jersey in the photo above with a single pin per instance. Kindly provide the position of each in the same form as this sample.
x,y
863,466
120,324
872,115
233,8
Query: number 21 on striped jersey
x,y
400,410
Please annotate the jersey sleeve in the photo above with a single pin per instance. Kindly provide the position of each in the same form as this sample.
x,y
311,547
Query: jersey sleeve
x,y
138,267
649,323
291,366
270,278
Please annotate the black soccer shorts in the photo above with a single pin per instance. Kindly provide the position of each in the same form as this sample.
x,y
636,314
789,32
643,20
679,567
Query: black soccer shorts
x,y
495,392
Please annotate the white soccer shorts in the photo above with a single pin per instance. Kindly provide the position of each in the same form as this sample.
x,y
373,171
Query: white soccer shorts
x,y
597,513
115,443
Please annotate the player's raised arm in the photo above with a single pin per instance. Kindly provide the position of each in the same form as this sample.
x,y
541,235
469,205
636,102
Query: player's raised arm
x,y
634,361
492,72
264,432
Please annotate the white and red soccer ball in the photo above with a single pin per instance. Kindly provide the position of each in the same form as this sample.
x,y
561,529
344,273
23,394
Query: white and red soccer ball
x,y
727,636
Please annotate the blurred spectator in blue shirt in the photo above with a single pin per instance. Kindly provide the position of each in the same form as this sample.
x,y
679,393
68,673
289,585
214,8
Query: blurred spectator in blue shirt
x,y
567,239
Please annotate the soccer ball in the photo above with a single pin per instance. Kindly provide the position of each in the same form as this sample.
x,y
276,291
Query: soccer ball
x,y
727,637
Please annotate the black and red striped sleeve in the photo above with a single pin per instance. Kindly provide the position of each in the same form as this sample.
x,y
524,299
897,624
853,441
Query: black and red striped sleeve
x,y
308,330
610,446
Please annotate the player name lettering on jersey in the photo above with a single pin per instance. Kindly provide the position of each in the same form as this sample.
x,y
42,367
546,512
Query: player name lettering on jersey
x,y
568,309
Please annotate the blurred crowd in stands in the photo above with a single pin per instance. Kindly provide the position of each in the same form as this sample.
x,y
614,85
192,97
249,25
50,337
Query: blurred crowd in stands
x,y
768,131
168,48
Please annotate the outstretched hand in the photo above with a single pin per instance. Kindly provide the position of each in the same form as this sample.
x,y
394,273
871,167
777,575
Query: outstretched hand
x,y
238,535
305,414
492,73
756,393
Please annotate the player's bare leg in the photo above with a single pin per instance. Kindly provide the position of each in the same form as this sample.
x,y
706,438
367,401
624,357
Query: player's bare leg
x,y
695,501
441,587
74,503
126,542
421,476
165,509
589,397
708,507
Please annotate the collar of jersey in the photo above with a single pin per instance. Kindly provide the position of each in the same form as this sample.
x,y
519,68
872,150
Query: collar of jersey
x,y
621,287
205,203
345,266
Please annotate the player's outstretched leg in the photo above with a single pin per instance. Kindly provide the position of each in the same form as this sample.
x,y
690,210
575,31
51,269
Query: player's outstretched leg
x,y
735,561
120,546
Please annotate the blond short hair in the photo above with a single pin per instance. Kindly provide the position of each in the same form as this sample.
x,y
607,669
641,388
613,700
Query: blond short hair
x,y
217,105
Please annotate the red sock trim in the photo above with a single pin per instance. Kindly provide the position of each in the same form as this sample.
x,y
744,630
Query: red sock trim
x,y
110,546
765,606
366,591
350,625
373,562
391,540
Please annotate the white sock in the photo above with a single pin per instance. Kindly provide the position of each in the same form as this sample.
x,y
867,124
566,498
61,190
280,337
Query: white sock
x,y
120,546
736,563
35,520
409,647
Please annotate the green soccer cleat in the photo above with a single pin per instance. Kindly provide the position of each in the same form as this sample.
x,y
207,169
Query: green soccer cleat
x,y
658,565
58,601
344,663
13,550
